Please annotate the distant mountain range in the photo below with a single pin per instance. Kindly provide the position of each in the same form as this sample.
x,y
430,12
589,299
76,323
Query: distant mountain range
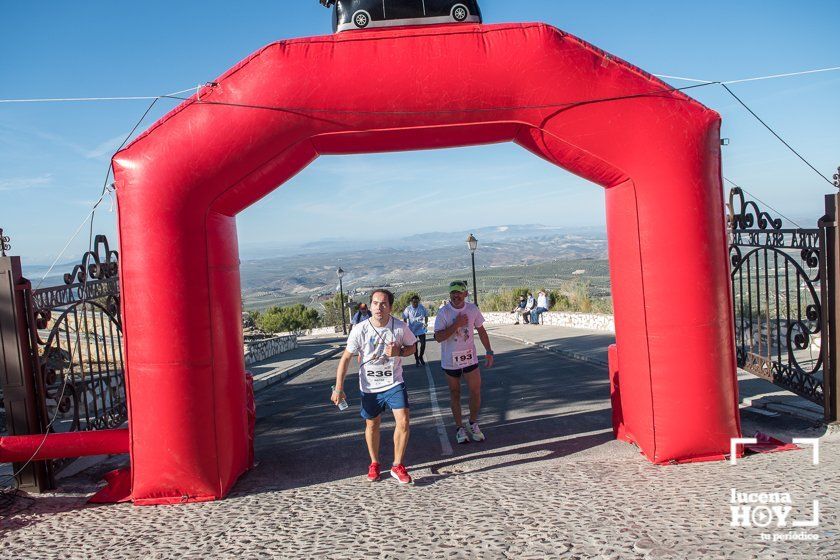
x,y
307,270
311,269
504,233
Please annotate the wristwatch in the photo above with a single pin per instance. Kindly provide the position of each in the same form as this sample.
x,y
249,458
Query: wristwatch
x,y
489,353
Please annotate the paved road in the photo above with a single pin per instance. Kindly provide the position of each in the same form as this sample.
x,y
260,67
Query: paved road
x,y
549,482
529,397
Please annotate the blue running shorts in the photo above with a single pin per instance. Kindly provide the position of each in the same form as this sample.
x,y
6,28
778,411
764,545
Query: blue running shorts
x,y
373,404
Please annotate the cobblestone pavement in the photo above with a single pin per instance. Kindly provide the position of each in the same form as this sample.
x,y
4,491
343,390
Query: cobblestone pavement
x,y
550,482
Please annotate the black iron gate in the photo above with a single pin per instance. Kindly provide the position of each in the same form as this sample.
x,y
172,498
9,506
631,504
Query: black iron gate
x,y
784,287
68,373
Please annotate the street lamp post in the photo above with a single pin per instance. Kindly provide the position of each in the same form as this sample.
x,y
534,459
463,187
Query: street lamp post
x,y
472,243
340,274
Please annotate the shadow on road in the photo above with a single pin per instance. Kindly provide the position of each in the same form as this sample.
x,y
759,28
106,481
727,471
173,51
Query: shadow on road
x,y
536,406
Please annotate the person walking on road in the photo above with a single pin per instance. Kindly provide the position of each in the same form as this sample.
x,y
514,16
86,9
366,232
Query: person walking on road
x,y
418,320
454,329
381,341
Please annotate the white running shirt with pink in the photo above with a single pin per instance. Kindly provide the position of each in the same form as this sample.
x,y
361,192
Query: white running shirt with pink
x,y
458,351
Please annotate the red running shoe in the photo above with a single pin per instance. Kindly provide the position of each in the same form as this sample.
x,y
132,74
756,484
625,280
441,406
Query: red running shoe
x,y
373,472
399,472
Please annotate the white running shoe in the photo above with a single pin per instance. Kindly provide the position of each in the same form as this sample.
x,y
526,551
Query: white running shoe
x,y
461,435
475,432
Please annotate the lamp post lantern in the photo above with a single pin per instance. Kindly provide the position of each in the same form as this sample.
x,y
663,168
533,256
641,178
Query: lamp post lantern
x,y
472,244
340,274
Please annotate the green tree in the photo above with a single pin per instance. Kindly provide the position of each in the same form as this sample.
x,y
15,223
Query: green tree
x,y
401,302
559,301
295,318
333,310
580,298
495,301
504,300
603,305
516,293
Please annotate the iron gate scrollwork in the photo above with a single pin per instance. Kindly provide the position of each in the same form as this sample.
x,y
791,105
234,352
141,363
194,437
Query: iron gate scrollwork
x,y
76,332
4,243
778,292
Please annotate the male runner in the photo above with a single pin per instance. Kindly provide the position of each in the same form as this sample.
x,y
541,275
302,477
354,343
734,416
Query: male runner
x,y
454,327
418,320
381,341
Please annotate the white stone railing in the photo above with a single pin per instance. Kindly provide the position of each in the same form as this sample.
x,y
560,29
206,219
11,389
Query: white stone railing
x,y
590,321
323,330
269,347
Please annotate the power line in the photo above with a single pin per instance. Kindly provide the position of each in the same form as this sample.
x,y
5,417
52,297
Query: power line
x,y
87,99
755,79
149,97
69,241
761,201
492,109
110,169
92,214
771,77
76,99
773,132
667,77
699,83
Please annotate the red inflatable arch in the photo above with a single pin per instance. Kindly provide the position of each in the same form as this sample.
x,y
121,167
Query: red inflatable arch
x,y
181,184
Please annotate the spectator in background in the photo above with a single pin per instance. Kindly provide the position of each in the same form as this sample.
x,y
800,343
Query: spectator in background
x,y
542,307
418,320
362,315
522,310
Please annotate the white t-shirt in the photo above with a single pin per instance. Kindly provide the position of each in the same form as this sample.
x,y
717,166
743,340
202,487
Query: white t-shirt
x,y
378,372
458,351
542,301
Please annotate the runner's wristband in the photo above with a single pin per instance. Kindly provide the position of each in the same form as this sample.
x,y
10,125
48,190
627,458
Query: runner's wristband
x,y
489,353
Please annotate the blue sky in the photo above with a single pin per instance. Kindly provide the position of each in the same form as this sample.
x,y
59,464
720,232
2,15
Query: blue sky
x,y
54,157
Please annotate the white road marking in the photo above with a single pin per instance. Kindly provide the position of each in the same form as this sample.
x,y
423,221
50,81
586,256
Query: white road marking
x,y
445,446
